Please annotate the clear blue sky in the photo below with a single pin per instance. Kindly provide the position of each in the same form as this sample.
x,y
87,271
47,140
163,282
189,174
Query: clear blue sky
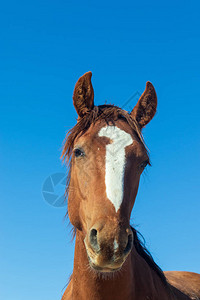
x,y
44,47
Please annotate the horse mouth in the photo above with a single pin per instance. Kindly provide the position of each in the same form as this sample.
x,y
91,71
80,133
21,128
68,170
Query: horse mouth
x,y
109,268
103,269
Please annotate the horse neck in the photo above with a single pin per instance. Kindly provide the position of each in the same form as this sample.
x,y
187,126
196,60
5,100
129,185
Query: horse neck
x,y
134,281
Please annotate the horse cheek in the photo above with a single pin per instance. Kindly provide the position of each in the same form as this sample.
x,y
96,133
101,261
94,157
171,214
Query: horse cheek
x,y
73,209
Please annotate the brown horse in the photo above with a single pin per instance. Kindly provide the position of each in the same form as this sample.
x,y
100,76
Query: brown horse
x,y
107,155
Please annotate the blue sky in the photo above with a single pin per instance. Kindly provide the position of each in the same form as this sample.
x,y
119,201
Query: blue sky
x,y
45,46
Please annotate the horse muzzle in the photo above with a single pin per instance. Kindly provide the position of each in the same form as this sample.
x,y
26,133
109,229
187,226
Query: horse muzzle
x,y
107,250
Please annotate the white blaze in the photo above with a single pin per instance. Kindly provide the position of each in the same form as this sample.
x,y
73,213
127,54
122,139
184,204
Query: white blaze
x,y
115,162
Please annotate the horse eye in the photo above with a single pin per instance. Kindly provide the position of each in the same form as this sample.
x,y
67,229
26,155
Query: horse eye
x,y
78,152
144,164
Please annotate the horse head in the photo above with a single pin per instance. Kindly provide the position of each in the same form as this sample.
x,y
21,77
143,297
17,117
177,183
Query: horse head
x,y
107,156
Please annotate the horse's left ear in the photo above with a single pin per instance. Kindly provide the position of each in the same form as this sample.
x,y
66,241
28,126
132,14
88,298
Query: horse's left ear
x,y
145,109
83,97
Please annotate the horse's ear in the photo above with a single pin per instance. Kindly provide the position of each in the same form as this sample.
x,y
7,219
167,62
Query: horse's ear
x,y
83,97
145,109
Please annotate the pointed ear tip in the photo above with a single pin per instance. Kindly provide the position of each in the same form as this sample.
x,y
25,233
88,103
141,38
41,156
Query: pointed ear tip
x,y
88,74
149,84
150,87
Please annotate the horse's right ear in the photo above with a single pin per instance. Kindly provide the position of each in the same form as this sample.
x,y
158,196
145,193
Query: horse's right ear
x,y
83,97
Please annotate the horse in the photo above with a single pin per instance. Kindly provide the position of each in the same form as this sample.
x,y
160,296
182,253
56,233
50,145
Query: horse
x,y
106,154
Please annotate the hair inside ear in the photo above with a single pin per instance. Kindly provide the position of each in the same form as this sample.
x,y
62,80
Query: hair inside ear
x,y
83,97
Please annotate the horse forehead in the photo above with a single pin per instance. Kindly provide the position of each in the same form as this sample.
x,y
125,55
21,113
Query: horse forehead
x,y
116,134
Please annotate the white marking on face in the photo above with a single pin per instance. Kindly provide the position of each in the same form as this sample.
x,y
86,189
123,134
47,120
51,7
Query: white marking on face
x,y
115,162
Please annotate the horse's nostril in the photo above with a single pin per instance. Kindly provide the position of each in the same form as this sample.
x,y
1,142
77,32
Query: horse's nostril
x,y
129,244
93,239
